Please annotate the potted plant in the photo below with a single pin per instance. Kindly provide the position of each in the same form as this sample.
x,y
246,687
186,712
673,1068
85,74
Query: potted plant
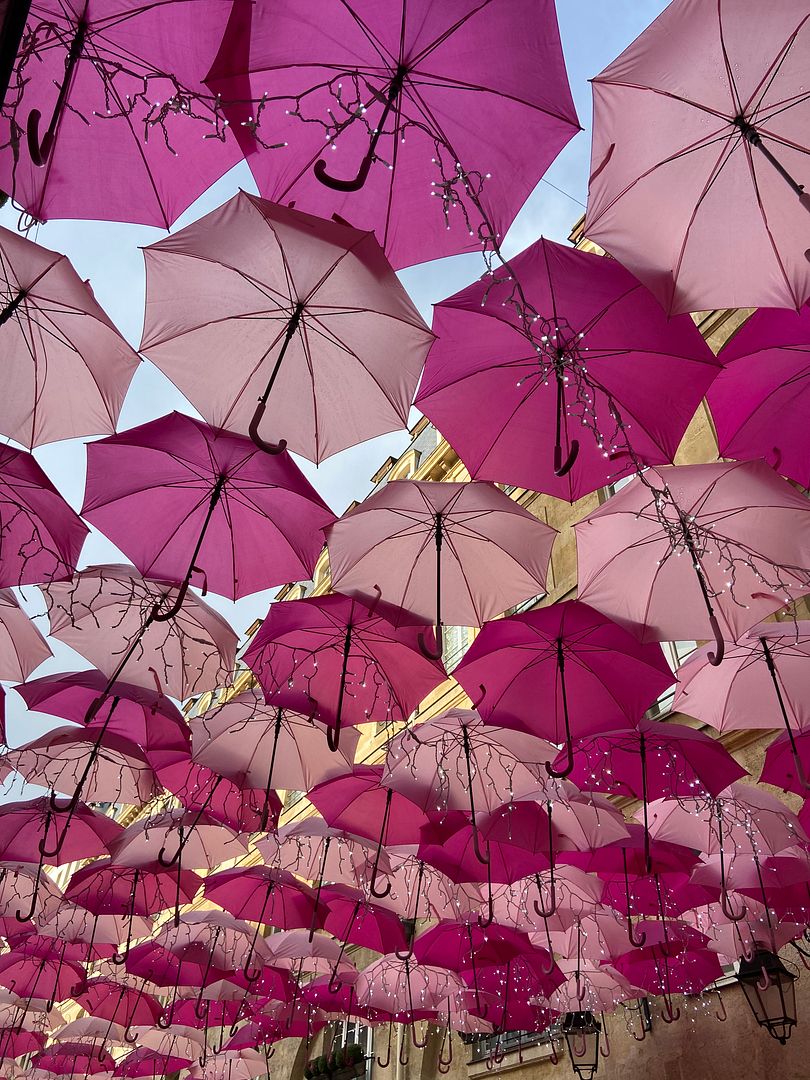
x,y
353,1063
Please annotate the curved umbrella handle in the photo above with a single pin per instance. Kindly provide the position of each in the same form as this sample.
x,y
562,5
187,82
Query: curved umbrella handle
x,y
637,943
568,767
258,441
668,1014
420,1044
333,736
722,1016
444,1063
174,610
345,185
18,915
384,1064
604,1050
716,658
39,150
727,910
437,652
765,981
562,468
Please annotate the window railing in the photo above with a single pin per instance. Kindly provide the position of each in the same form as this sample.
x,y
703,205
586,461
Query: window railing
x,y
509,1042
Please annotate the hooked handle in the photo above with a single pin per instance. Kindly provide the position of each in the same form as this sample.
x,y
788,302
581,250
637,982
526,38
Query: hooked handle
x,y
253,429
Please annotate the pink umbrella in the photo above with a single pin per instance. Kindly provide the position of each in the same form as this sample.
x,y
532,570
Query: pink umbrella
x,y
760,396
413,106
456,761
202,841
465,552
191,965
687,972
318,327
313,850
69,1058
67,365
22,647
108,888
766,677
43,974
17,885
402,986
562,343
42,536
719,146
340,1000
346,656
106,612
17,1044
787,762
120,86
143,1062
589,986
351,918
261,746
195,504
119,1004
199,788
596,673
740,528
297,949
517,985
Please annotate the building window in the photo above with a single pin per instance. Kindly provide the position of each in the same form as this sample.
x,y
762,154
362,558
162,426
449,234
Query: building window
x,y
527,605
292,797
675,652
484,1046
457,639
611,489
351,1033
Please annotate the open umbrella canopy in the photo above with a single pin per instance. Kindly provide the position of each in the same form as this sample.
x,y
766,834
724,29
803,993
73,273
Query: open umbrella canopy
x,y
22,646
565,350
198,505
96,86
713,149
315,323
424,113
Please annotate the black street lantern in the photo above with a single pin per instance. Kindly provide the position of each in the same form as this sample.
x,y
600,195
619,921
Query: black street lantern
x,y
770,992
581,1031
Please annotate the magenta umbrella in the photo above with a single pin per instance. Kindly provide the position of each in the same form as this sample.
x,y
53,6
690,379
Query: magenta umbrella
x,y
67,365
459,552
42,536
17,1044
69,1058
22,646
106,614
351,918
143,1062
259,747
119,1003
760,397
413,103
199,788
317,327
740,529
563,344
195,504
660,972
715,155
115,87
594,672
348,657
765,679
358,802
41,974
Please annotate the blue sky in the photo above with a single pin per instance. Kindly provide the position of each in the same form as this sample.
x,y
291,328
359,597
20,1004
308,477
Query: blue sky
x,y
593,33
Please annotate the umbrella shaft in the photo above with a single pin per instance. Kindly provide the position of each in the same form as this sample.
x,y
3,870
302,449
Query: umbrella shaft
x,y
12,306
753,137
73,58
292,326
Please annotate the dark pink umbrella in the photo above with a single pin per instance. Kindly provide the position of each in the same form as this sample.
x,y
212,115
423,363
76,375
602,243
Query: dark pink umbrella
x,y
715,154
67,365
41,974
107,614
194,504
348,657
42,536
787,762
119,1003
352,918
22,646
321,335
263,746
563,345
669,967
341,1000
95,87
229,801
69,1058
760,397
17,1044
357,802
17,885
444,552
696,551
143,1062
595,673
411,105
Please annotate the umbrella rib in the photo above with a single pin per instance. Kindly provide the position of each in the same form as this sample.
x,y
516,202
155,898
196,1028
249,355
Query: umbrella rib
x,y
771,73
442,82
777,256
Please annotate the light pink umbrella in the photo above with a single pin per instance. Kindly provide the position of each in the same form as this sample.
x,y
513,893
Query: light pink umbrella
x,y
317,327
104,613
193,504
696,551
42,536
22,647
589,986
97,89
759,400
21,884
410,122
68,368
201,841
459,553
321,954
561,358
714,153
403,986
312,850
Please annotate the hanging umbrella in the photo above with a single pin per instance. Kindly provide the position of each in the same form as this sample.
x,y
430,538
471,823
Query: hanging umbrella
x,y
265,746
68,1058
120,1004
203,842
718,146
143,1062
764,680
105,613
313,850
195,504
414,103
42,537
67,366
741,532
41,974
317,327
589,987
350,658
17,1044
357,802
760,396
564,349
115,88
19,883
596,673
456,553
22,646
350,917
296,949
